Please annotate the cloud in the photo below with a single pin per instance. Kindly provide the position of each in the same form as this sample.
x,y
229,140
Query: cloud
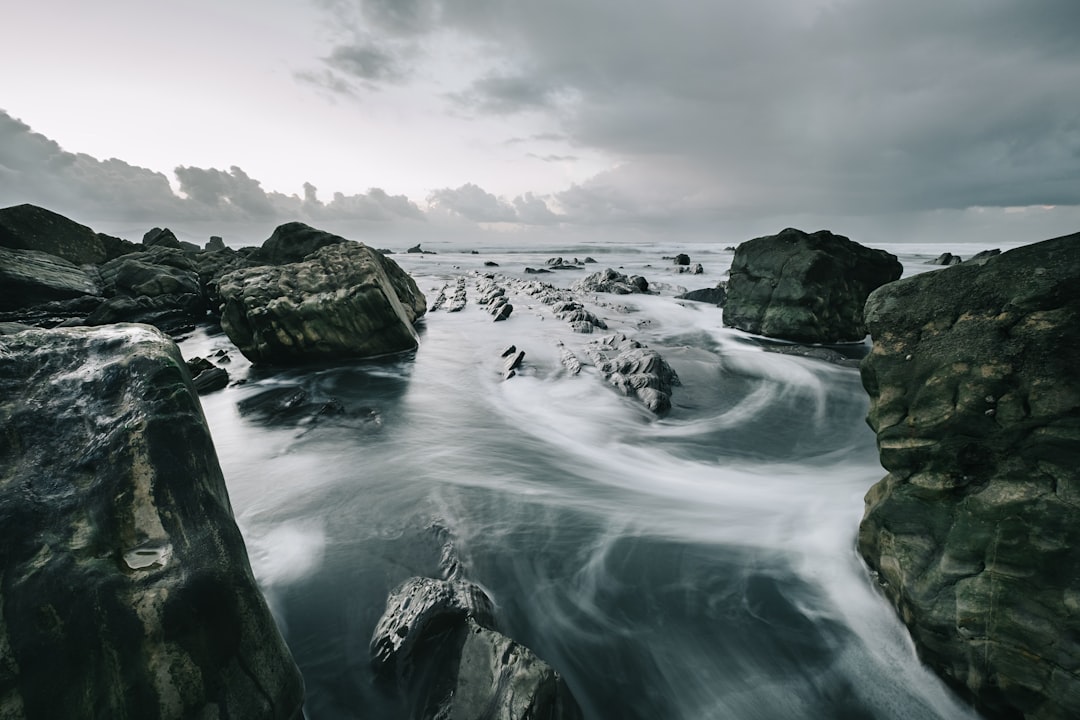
x,y
792,105
472,202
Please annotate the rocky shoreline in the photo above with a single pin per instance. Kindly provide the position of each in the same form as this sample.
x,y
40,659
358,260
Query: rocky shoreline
x,y
973,398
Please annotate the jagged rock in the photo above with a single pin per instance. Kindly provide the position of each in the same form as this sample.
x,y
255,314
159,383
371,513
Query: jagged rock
x,y
10,328
975,399
509,351
30,277
29,227
611,281
806,288
172,314
343,301
714,295
569,360
415,249
161,271
695,269
205,376
945,259
982,256
127,590
215,243
436,644
682,259
635,370
502,311
512,362
160,237
575,313
115,247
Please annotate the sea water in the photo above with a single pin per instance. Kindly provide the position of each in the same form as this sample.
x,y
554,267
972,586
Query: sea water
x,y
700,565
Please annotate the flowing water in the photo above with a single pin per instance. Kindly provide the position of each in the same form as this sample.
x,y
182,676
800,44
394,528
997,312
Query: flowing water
x,y
702,565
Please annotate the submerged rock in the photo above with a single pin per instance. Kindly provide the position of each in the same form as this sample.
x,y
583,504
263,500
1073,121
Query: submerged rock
x,y
635,370
806,288
975,399
343,301
127,590
436,644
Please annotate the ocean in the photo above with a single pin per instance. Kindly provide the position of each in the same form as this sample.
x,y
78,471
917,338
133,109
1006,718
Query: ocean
x,y
699,565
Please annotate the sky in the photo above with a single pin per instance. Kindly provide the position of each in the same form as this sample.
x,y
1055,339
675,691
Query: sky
x,y
926,120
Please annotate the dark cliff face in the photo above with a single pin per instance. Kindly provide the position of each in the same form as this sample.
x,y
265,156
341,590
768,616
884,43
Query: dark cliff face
x,y
974,533
126,590
805,287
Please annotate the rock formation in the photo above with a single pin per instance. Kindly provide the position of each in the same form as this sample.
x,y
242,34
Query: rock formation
x,y
436,644
343,301
126,587
806,288
635,370
973,534
28,227
30,277
612,281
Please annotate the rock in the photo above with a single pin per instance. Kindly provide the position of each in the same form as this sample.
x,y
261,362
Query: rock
x,y
502,311
30,277
343,301
695,269
682,259
115,247
158,237
981,257
945,259
536,271
436,645
975,399
415,249
29,227
127,590
172,314
215,243
569,360
611,281
714,295
490,263
211,380
512,362
806,288
635,370
292,242
161,271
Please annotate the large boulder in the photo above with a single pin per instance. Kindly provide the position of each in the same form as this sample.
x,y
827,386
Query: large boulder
x,y
29,227
973,534
126,589
804,287
343,301
293,242
30,277
437,645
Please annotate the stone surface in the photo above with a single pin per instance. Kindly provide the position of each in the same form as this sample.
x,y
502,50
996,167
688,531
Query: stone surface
x,y
436,644
294,241
612,281
126,589
30,277
29,227
342,301
975,399
635,370
807,288
714,295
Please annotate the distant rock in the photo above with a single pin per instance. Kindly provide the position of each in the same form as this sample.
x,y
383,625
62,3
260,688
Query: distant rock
x,y
611,281
973,534
115,247
29,227
714,295
945,259
214,243
436,645
343,301
536,271
682,259
804,287
127,590
695,269
30,277
160,237
292,242
981,257
415,250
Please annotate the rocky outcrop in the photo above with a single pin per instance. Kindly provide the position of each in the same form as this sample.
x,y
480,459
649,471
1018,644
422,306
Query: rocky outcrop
x,y
945,259
343,301
714,295
436,645
635,370
612,281
30,277
126,589
292,242
806,288
973,534
28,227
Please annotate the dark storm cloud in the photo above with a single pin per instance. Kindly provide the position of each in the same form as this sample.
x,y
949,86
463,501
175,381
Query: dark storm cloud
x,y
860,105
35,169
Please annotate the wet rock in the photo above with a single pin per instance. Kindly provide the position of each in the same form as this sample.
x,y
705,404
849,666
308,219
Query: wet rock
x,y
611,281
160,271
557,263
127,590
589,261
575,313
215,243
982,256
511,363
30,277
569,360
343,301
682,259
695,269
172,314
975,400
29,227
536,271
490,263
293,405
635,370
415,249
205,376
806,288
436,645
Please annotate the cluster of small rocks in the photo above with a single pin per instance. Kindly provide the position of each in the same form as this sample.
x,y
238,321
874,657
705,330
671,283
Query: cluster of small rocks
x,y
492,295
635,370
453,300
